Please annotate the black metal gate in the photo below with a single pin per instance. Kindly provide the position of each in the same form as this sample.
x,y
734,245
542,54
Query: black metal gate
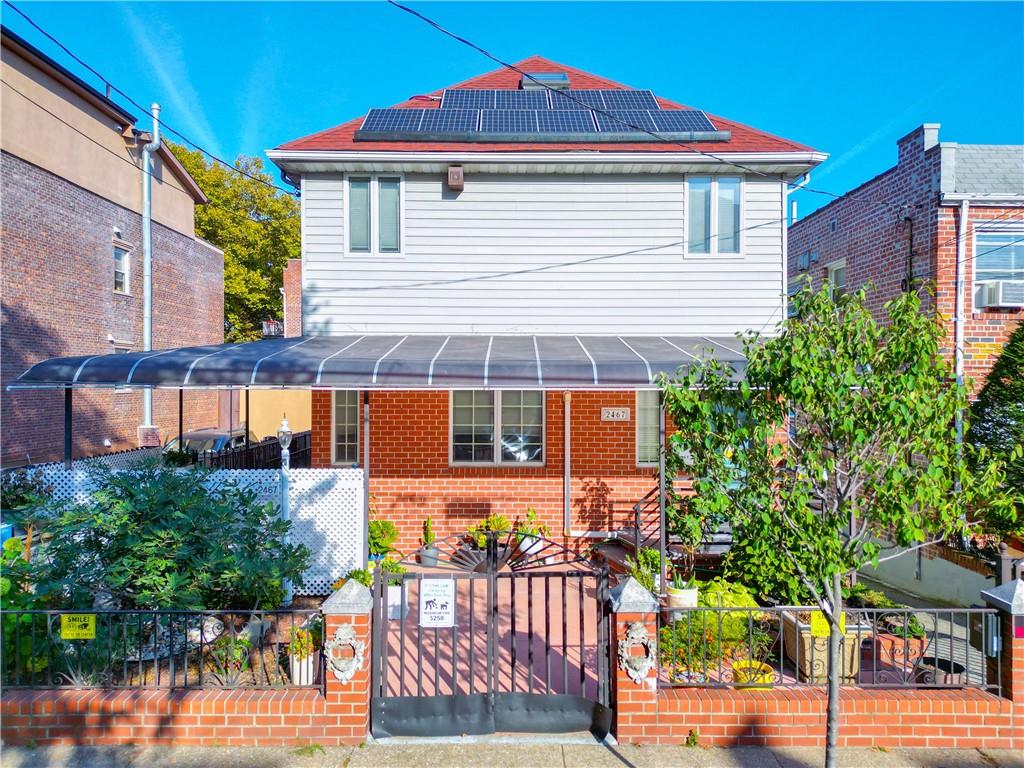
x,y
517,640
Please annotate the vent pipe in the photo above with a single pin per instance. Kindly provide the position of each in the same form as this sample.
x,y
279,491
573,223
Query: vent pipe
x,y
147,255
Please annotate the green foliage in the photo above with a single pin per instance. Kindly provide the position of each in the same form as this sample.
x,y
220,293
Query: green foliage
x,y
997,423
494,522
391,566
692,739
644,567
176,458
21,488
231,657
256,226
871,439
22,655
383,534
360,575
428,533
900,621
154,537
530,525
301,644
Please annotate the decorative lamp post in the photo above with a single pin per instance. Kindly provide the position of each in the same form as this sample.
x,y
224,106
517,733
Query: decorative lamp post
x,y
284,438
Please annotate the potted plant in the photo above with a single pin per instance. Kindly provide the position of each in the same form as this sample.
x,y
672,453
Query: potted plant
x,y
381,538
428,554
472,555
754,672
809,653
530,532
392,572
302,656
360,575
688,647
681,593
645,567
899,639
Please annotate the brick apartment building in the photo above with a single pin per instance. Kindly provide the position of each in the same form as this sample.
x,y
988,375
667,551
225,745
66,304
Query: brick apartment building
x,y
71,194
902,230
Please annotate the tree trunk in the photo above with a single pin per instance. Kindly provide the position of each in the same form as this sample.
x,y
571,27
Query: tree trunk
x,y
835,638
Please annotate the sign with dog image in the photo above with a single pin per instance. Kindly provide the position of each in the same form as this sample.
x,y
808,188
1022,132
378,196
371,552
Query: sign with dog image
x,y
437,602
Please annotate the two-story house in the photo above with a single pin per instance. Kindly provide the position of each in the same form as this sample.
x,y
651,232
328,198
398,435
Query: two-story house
x,y
70,242
946,213
558,212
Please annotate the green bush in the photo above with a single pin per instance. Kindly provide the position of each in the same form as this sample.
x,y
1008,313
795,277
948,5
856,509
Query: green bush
x,y
382,536
493,522
155,537
644,567
900,621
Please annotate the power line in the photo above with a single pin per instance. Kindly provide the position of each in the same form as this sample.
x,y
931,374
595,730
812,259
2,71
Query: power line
x,y
145,110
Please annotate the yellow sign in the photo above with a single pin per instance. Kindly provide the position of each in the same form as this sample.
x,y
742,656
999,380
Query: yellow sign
x,y
78,626
820,627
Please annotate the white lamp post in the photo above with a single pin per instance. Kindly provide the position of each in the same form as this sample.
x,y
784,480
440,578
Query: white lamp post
x,y
284,437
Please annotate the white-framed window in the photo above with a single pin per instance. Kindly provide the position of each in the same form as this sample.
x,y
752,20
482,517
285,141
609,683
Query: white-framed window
x,y
836,274
502,427
122,268
998,257
648,428
345,426
374,214
713,214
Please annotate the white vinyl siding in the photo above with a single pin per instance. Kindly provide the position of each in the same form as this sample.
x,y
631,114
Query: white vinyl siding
x,y
542,253
648,430
345,419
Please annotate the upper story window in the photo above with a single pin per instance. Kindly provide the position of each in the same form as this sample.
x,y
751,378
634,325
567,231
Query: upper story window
x,y
122,269
497,427
648,428
713,214
373,221
998,268
836,274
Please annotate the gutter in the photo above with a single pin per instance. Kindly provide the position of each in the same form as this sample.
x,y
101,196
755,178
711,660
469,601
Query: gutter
x,y
1008,200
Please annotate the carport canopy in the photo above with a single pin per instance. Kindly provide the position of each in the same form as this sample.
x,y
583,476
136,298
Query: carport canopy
x,y
457,361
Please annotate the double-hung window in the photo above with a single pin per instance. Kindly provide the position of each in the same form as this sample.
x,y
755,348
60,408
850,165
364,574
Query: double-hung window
x,y
998,264
373,218
345,432
713,214
648,428
505,427
836,274
122,269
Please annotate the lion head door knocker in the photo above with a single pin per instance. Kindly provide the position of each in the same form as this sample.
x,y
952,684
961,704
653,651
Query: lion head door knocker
x,y
345,653
637,666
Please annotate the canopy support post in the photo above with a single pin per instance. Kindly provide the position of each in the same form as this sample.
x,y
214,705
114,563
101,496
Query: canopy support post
x,y
68,449
661,492
366,479
247,457
181,420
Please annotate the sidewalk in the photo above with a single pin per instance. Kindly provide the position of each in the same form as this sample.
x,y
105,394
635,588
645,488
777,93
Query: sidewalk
x,y
492,753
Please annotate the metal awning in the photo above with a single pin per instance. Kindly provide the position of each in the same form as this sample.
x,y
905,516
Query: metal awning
x,y
465,361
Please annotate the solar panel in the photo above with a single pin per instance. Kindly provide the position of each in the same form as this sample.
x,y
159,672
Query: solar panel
x,y
565,121
625,99
508,121
623,121
576,99
448,120
521,99
381,120
468,98
681,120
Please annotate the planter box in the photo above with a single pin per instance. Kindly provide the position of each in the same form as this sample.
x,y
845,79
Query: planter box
x,y
681,598
810,654
303,671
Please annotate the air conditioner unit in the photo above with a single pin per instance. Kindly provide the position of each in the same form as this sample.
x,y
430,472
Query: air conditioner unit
x,y
803,261
1001,293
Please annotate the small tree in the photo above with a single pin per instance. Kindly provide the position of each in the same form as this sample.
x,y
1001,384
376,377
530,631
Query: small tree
x,y
870,468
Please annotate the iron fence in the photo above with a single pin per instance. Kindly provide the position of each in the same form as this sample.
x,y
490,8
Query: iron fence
x,y
162,649
262,455
728,647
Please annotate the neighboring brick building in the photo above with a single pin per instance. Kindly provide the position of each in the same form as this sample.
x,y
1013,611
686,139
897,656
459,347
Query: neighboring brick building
x,y
70,182
901,229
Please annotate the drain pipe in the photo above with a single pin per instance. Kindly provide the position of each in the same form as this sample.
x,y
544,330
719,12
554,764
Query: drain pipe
x,y
147,255
958,344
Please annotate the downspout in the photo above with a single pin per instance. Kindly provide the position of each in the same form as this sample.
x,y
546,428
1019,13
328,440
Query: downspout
x,y
958,343
147,255
567,462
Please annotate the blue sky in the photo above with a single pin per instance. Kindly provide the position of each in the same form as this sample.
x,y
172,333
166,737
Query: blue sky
x,y
845,78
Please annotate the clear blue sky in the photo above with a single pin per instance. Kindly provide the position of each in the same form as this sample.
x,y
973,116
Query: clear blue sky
x,y
845,78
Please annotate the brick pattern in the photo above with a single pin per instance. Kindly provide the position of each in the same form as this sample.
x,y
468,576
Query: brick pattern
x,y
58,299
411,478
874,224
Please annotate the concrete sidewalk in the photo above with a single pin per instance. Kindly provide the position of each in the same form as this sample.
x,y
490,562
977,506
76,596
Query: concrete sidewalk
x,y
492,753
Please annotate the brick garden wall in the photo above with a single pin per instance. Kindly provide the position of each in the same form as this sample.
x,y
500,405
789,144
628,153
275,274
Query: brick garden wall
x,y
58,299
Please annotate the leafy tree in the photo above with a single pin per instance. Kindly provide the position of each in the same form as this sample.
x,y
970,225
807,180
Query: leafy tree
x,y
156,537
256,226
997,420
870,468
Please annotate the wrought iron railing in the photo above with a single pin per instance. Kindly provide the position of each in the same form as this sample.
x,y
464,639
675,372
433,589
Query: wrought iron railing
x,y
161,649
788,646
262,455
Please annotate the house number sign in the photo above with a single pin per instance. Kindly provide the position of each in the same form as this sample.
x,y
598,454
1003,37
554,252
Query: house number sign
x,y
437,602
615,414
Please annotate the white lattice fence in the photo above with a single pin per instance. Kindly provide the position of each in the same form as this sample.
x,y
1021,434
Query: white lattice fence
x,y
118,460
326,506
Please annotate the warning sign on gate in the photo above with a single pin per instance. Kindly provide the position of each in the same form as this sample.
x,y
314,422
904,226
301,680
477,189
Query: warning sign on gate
x,y
437,602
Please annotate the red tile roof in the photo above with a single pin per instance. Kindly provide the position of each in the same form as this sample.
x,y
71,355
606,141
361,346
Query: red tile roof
x,y
744,138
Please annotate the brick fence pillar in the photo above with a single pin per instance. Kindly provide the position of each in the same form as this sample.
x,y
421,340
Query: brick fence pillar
x,y
635,659
347,648
1008,669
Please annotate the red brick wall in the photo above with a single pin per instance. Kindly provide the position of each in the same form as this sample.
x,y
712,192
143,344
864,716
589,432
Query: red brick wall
x,y
293,298
57,280
410,476
874,237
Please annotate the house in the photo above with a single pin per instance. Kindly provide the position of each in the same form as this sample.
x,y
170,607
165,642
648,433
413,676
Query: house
x,y
468,223
71,195
944,211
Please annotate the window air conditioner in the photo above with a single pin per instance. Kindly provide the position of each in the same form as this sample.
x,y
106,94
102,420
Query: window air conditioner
x,y
1001,293
803,261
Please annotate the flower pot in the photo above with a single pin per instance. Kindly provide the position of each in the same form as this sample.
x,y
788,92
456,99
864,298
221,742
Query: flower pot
x,y
530,545
397,610
428,556
940,673
753,675
891,652
303,671
681,598
810,654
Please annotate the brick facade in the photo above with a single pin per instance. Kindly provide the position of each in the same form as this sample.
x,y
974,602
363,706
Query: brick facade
x,y
58,299
893,231
292,281
411,478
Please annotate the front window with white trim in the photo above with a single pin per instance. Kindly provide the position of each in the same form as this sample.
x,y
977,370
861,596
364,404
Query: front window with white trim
x,y
648,428
373,219
836,273
998,268
504,427
345,415
713,214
